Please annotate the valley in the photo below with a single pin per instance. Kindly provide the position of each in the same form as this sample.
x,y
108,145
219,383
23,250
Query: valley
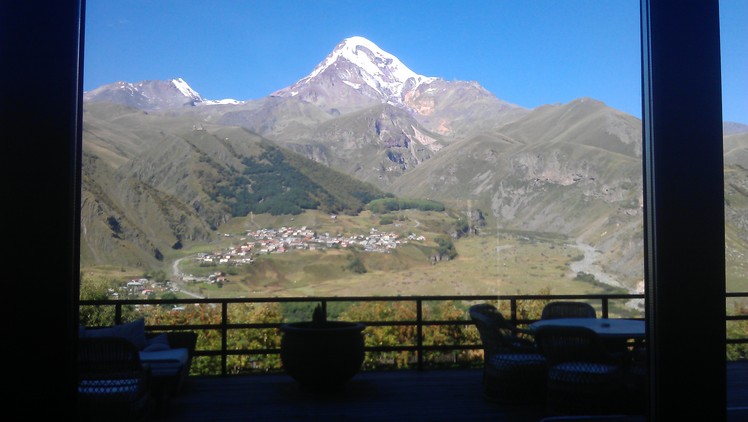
x,y
487,262
548,198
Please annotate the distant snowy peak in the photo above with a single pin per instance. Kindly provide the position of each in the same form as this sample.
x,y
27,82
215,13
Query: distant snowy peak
x,y
221,102
152,95
186,90
198,99
364,67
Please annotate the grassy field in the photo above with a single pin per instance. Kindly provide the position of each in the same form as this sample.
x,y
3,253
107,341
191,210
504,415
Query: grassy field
x,y
504,263
488,263
112,272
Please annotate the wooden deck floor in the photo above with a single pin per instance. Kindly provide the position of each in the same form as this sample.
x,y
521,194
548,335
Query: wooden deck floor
x,y
435,395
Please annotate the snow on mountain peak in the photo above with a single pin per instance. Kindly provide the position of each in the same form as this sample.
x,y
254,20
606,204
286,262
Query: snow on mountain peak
x,y
185,89
221,102
380,70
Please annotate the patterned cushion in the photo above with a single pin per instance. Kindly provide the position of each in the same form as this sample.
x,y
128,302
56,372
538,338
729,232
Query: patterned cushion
x,y
582,372
515,378
109,386
512,361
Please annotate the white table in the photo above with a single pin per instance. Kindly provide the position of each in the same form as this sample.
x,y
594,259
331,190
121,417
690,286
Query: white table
x,y
604,327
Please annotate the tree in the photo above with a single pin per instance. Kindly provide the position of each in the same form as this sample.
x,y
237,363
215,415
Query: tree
x,y
168,296
355,264
98,288
461,227
157,276
445,247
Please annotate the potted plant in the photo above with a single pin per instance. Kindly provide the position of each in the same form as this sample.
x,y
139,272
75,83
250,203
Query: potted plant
x,y
322,355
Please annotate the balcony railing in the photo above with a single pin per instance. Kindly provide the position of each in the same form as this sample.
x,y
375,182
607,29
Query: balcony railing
x,y
511,305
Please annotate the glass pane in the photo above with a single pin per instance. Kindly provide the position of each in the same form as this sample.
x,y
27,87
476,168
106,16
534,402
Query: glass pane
x,y
735,116
495,150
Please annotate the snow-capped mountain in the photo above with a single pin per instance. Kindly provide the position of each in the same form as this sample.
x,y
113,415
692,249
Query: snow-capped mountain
x,y
359,74
357,65
356,75
151,95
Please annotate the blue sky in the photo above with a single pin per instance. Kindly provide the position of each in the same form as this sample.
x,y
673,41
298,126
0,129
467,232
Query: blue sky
x,y
526,52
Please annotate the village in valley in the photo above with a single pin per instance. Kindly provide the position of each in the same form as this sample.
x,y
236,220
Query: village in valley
x,y
286,239
263,242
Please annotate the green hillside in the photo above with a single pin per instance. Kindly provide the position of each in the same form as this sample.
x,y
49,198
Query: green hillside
x,y
156,183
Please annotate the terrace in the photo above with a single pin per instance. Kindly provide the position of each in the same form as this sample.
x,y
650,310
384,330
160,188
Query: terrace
x,y
440,381
431,395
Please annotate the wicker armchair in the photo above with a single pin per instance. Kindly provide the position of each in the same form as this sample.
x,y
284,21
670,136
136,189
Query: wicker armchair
x,y
568,309
112,382
513,370
583,377
167,385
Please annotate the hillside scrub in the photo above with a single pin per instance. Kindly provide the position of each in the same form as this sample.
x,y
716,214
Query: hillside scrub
x,y
279,183
382,206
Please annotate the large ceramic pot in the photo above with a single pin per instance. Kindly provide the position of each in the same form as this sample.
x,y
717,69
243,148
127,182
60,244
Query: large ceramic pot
x,y
322,356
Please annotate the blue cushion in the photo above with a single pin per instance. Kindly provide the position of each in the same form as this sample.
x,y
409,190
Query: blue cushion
x,y
179,355
132,331
166,362
159,342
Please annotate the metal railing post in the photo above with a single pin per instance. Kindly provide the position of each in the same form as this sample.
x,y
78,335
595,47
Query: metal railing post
x,y
118,314
605,307
224,337
419,333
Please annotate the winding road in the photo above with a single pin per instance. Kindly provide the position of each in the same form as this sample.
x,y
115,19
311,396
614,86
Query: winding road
x,y
177,278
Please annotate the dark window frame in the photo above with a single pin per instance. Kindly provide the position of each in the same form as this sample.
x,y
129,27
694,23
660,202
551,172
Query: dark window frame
x,y
42,45
684,209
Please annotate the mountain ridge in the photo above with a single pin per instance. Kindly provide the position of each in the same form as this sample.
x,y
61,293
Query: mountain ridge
x,y
151,95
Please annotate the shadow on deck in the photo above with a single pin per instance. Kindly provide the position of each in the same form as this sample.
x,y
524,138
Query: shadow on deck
x,y
433,395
